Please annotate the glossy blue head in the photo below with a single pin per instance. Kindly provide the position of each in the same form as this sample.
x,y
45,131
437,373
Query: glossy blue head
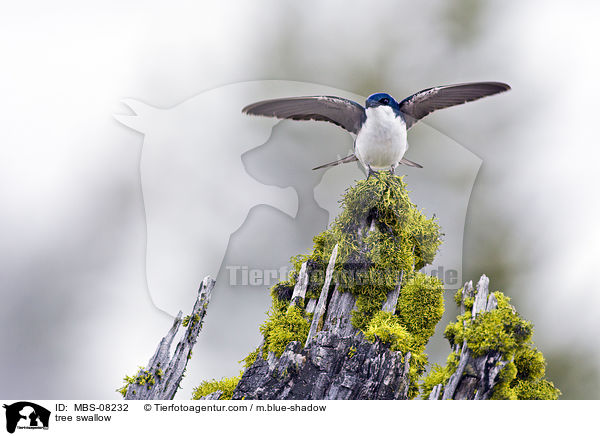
x,y
382,99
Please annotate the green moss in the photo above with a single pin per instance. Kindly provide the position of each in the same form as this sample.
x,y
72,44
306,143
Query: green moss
x,y
351,352
284,324
500,330
281,293
458,298
281,328
387,328
469,301
225,385
366,308
381,236
251,358
530,364
536,390
502,391
127,380
523,378
143,378
418,363
188,318
421,306
439,375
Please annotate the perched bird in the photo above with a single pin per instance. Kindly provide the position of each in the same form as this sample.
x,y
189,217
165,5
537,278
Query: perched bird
x,y
380,127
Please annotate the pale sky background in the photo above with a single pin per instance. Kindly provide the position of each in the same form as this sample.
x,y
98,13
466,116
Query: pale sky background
x,y
75,313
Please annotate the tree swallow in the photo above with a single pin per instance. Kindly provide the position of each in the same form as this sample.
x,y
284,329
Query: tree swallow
x,y
380,127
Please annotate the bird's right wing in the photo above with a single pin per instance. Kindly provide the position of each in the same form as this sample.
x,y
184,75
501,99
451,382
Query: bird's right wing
x,y
426,101
351,158
340,111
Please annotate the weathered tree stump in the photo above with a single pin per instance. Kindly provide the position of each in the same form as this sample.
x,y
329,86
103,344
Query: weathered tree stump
x,y
475,377
336,362
160,379
354,318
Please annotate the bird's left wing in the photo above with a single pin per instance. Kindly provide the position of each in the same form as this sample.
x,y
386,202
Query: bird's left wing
x,y
340,111
424,102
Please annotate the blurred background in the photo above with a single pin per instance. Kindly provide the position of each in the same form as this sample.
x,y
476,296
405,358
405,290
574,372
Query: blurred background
x,y
75,313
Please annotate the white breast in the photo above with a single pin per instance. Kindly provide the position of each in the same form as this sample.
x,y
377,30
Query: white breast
x,y
381,142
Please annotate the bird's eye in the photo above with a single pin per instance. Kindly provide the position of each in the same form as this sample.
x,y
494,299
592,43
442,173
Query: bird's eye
x,y
384,101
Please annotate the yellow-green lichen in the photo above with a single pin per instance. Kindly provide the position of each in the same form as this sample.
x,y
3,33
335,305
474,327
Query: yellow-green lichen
x,y
523,377
194,319
143,378
225,385
381,237
421,306
281,328
127,380
251,358
387,328
536,390
501,330
468,301
439,375
352,352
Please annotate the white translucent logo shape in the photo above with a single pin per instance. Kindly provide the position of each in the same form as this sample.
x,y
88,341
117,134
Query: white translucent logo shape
x,y
206,170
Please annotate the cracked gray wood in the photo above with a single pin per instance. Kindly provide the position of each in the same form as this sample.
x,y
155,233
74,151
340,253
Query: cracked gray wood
x,y
322,303
336,361
392,298
163,373
301,286
475,377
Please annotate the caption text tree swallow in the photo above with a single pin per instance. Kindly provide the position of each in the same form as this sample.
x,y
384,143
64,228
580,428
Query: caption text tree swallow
x,y
381,126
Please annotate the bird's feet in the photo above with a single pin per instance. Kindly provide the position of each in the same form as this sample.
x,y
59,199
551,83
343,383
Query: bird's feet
x,y
369,171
